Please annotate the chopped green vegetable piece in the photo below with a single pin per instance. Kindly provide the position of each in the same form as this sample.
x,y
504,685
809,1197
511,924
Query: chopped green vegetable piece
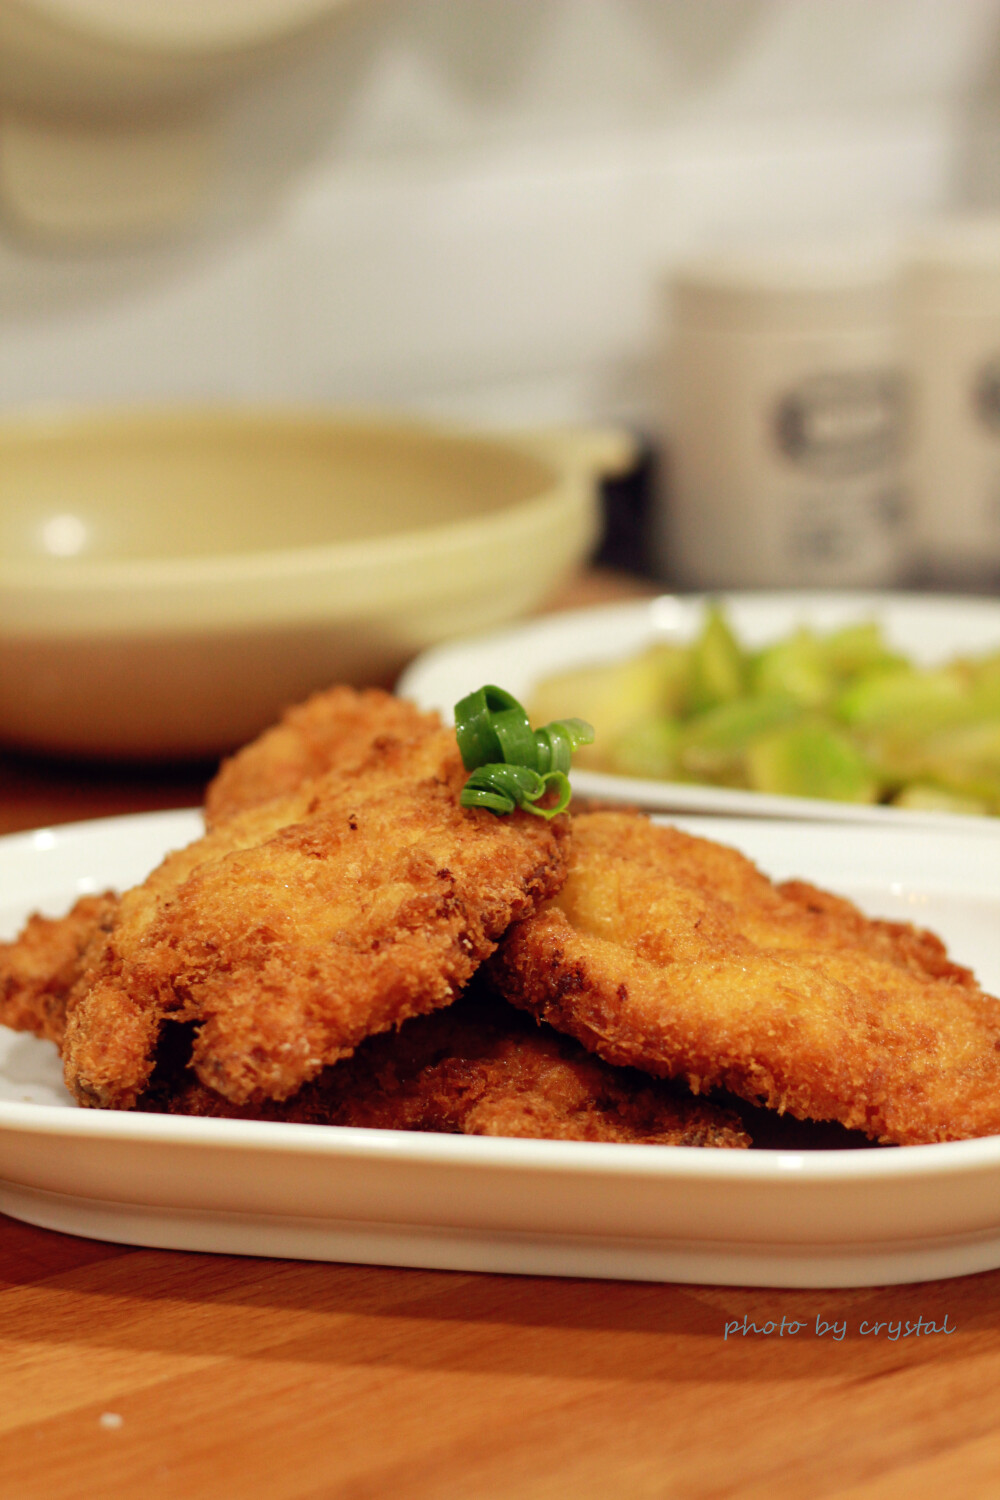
x,y
670,665
616,695
969,751
648,749
983,698
795,667
983,672
901,694
718,670
714,745
859,648
811,760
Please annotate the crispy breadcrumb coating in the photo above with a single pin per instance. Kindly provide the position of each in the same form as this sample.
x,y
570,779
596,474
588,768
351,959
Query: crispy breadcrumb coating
x,y
295,929
676,955
331,730
478,1067
39,968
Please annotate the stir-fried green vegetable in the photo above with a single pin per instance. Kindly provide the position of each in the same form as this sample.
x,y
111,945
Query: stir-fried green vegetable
x,y
511,764
839,714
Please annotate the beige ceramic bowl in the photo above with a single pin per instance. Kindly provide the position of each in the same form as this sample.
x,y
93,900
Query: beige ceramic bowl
x,y
169,582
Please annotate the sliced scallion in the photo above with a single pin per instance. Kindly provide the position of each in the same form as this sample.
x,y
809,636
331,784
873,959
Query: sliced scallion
x,y
510,764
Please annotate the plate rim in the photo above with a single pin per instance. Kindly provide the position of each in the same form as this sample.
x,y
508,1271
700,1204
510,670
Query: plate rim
x,y
601,1158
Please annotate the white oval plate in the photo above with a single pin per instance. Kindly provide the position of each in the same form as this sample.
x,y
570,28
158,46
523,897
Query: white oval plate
x,y
929,628
565,1208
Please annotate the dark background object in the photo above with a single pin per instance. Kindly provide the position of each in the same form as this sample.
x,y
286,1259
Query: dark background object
x,y
627,501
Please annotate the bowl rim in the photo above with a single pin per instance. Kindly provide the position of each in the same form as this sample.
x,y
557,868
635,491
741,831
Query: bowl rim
x,y
556,493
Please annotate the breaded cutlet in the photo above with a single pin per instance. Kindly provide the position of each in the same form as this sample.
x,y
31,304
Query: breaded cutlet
x,y
676,955
333,730
295,929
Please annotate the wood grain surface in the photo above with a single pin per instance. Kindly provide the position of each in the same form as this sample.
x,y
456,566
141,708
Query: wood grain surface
x,y
130,1372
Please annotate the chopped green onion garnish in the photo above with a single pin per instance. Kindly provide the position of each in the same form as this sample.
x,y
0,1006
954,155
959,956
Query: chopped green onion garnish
x,y
512,765
501,788
474,725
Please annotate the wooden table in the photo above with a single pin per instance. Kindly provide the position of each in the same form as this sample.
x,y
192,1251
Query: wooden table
x,y
130,1372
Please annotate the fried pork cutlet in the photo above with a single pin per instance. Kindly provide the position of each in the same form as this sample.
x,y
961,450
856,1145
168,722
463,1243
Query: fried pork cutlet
x,y
39,968
295,929
331,730
478,1067
676,955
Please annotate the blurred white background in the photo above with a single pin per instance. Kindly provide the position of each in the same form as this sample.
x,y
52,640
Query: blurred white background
x,y
466,207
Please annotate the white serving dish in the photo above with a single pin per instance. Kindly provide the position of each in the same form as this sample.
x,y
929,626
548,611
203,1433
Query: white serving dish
x,y
929,628
765,1218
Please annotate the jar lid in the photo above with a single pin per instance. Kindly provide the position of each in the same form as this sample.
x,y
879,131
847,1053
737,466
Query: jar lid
x,y
789,288
954,268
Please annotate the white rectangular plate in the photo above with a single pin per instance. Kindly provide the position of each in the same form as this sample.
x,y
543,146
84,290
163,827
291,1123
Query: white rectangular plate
x,y
765,1218
928,628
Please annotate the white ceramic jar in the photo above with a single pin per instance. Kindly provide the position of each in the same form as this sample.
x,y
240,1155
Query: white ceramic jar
x,y
951,329
785,423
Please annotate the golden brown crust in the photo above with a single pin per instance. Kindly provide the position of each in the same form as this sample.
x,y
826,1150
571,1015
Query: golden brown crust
x,y
297,928
476,1068
676,955
836,923
334,728
39,968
